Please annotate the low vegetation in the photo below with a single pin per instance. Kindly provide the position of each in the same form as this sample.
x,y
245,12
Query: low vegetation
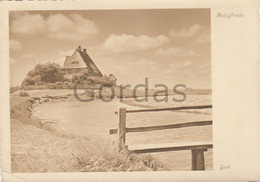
x,y
44,73
22,93
51,76
37,147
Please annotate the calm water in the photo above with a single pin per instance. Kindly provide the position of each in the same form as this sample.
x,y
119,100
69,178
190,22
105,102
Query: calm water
x,y
96,118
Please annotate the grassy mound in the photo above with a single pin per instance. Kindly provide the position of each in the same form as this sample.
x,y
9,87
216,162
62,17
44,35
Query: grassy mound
x,y
36,147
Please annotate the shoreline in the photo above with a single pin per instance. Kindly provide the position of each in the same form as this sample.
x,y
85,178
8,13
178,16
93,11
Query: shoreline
x,y
152,104
35,145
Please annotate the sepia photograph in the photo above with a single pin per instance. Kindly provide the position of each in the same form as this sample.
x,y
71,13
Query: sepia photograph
x,y
110,90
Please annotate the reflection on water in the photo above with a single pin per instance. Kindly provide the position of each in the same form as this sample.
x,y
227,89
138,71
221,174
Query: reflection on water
x,y
96,118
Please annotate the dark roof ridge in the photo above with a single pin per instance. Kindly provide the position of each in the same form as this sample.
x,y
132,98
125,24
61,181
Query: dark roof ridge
x,y
89,62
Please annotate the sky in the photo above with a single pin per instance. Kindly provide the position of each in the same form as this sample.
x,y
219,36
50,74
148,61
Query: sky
x,y
168,46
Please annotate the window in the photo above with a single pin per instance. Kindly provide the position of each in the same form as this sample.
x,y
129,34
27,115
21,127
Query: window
x,y
74,62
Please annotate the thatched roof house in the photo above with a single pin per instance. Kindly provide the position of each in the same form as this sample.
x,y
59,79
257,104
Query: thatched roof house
x,y
80,61
112,79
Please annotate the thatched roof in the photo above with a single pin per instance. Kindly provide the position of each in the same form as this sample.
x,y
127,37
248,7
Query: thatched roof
x,y
80,59
112,77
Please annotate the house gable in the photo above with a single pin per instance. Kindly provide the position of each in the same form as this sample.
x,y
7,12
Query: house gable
x,y
74,61
80,60
112,77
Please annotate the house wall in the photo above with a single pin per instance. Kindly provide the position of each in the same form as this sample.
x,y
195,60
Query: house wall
x,y
114,83
73,70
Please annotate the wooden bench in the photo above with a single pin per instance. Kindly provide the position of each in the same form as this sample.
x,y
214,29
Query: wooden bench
x,y
197,148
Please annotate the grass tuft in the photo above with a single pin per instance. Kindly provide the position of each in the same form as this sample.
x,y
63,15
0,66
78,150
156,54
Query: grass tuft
x,y
38,147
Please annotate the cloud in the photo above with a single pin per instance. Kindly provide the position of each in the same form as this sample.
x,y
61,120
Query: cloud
x,y
155,68
203,37
186,32
28,24
186,64
205,68
12,61
73,27
200,33
171,51
123,42
180,65
27,55
15,45
141,62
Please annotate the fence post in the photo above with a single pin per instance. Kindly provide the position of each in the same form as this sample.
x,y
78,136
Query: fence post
x,y
121,127
198,162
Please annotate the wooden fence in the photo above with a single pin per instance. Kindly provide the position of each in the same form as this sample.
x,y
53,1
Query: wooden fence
x,y
197,148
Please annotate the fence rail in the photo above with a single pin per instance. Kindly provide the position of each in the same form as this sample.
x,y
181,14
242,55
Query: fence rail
x,y
168,109
203,145
163,127
197,148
